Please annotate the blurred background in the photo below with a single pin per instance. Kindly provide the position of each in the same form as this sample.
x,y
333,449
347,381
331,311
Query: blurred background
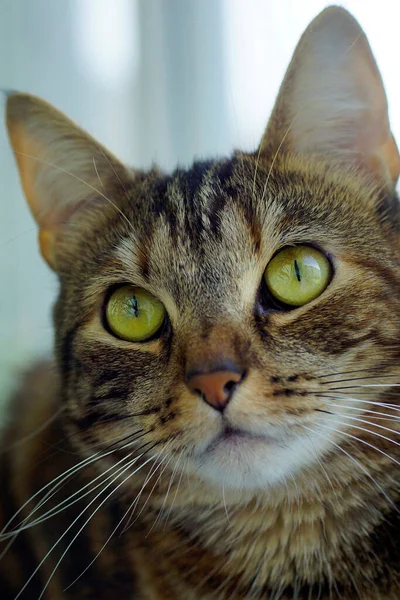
x,y
160,81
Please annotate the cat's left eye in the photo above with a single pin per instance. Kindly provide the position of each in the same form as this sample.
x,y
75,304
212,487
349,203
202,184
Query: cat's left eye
x,y
133,314
297,274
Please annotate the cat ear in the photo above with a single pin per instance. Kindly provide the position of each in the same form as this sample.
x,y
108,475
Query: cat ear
x,y
60,165
332,102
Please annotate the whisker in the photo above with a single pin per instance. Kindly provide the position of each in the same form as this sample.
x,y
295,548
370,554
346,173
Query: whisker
x,y
45,162
356,462
115,445
87,521
58,481
115,172
374,385
339,373
105,543
397,375
365,393
97,173
137,499
62,477
323,468
133,505
8,546
365,385
18,236
371,423
56,510
394,407
133,437
276,155
130,440
176,491
364,410
359,440
67,502
255,171
148,498
27,525
171,480
126,467
34,433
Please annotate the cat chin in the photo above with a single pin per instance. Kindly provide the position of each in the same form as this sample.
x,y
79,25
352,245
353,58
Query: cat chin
x,y
257,463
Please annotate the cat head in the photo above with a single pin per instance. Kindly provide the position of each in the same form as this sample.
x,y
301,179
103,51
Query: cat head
x,y
216,317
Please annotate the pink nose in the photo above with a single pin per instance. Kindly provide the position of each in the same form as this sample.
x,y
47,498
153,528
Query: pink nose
x,y
215,388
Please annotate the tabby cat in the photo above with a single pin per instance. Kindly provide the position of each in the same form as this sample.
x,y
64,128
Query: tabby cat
x,y
220,421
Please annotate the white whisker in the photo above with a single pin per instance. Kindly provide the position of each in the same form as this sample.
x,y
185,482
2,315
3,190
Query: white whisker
x,y
75,520
66,503
276,155
323,468
148,498
373,403
176,491
356,462
115,172
171,480
136,501
45,162
377,376
364,441
364,410
59,480
107,540
368,385
34,433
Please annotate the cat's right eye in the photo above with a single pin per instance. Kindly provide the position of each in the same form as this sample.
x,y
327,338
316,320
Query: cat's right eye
x,y
133,314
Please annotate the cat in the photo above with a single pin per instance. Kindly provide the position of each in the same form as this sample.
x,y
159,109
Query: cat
x,y
220,421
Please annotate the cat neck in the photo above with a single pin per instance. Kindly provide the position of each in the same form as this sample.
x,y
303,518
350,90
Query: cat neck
x,y
299,531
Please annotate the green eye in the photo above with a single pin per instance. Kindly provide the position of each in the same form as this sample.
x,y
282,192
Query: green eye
x,y
134,314
297,275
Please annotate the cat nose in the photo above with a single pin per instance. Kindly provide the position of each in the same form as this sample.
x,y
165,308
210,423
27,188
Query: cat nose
x,y
215,388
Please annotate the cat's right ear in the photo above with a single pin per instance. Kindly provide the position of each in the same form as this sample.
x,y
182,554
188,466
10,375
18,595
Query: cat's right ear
x,y
332,103
60,165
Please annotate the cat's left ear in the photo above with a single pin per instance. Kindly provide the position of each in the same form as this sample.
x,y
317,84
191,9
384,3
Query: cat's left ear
x,y
332,102
62,168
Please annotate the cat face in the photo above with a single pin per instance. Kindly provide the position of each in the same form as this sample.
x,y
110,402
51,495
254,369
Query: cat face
x,y
287,406
234,387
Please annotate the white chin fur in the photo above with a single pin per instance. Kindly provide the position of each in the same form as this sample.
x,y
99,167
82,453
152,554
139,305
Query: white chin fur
x,y
256,463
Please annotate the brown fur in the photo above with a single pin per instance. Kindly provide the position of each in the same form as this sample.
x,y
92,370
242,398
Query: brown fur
x,y
200,240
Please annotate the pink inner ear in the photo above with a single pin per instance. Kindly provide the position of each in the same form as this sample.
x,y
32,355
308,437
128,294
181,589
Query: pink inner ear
x,y
332,102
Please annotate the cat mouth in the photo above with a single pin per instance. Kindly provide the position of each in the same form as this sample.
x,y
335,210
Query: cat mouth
x,y
247,458
240,458
232,437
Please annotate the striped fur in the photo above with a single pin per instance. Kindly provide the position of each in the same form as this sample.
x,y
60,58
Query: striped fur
x,y
115,479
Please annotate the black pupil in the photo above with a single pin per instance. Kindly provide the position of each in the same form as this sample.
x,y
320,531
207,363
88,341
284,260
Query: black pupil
x,y
134,305
296,268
